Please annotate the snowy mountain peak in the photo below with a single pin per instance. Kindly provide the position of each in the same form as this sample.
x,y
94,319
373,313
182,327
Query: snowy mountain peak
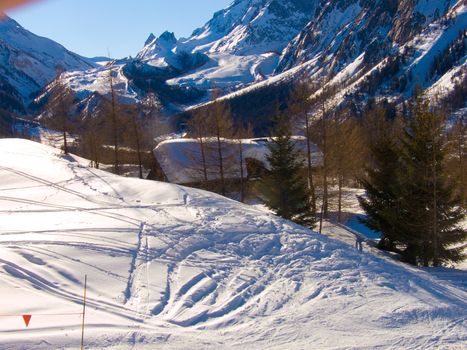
x,y
245,27
167,38
239,45
385,46
150,39
159,47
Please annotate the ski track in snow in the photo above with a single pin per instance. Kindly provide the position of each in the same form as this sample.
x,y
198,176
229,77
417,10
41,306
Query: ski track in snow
x,y
180,267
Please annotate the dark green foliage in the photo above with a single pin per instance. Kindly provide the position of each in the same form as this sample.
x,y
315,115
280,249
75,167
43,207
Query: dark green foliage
x,y
455,98
383,192
411,200
433,209
450,56
457,160
284,186
379,76
10,99
6,123
255,108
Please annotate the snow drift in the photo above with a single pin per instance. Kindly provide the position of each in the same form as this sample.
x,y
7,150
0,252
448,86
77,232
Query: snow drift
x,y
182,268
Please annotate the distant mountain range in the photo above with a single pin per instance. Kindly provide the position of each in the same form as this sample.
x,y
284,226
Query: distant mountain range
x,y
369,49
28,62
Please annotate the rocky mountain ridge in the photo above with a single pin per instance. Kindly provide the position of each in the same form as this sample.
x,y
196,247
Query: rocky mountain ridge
x,y
365,49
28,62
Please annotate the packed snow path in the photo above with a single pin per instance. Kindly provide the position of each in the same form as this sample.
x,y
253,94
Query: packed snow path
x,y
182,268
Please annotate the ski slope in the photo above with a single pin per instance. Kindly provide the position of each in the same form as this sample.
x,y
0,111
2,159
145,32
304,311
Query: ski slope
x,y
177,268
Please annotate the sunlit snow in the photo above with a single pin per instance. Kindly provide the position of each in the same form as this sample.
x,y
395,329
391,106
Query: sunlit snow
x,y
180,268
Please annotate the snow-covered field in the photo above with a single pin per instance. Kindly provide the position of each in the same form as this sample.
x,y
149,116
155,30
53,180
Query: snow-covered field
x,y
176,268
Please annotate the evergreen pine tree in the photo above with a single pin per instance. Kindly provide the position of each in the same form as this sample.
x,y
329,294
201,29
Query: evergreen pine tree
x,y
410,199
284,186
433,209
383,186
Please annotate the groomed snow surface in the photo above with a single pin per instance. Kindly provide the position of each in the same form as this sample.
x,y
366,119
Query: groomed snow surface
x,y
178,268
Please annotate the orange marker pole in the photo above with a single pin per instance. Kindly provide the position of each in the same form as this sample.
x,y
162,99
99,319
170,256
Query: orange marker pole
x,y
84,311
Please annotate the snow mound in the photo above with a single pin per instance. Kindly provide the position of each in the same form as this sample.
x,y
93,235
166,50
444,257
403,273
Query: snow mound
x,y
182,268
181,159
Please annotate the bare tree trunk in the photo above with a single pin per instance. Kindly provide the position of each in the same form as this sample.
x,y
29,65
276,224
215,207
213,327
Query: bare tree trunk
x,y
242,180
203,158
65,144
461,154
64,117
94,145
96,154
321,217
222,129
114,122
325,165
93,151
435,212
140,161
137,135
221,160
311,186
339,211
198,127
64,105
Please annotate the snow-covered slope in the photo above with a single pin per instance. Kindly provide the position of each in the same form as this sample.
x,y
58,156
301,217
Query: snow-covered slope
x,y
28,62
245,27
239,46
180,268
370,49
380,48
365,50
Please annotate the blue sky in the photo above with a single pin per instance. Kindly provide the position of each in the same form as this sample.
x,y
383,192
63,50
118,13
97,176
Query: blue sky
x,y
95,27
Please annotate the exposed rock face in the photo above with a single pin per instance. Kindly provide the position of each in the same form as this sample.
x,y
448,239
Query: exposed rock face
x,y
344,29
253,26
368,48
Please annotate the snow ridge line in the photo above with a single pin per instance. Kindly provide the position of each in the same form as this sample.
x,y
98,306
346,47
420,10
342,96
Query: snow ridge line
x,y
148,282
159,308
138,289
134,264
